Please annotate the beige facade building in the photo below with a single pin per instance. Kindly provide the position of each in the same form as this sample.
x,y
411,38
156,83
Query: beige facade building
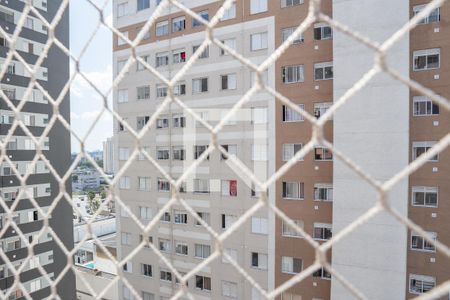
x,y
264,134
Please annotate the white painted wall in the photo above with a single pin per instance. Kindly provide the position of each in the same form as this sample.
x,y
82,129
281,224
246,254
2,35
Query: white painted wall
x,y
373,130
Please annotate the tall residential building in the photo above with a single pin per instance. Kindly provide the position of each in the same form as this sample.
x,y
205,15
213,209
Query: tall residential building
x,y
382,128
35,114
108,156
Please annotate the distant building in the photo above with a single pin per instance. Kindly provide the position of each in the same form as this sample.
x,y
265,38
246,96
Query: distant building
x,y
94,265
96,155
83,180
108,156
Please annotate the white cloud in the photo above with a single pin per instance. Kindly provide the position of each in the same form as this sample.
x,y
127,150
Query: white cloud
x,y
100,79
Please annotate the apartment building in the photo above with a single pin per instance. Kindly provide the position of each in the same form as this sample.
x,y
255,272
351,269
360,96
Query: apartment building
x,y
320,193
108,156
20,149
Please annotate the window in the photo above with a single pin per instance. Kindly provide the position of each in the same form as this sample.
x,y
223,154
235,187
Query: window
x,y
203,283
162,59
143,92
122,95
147,296
202,251
420,148
322,31
143,4
228,82
229,289
178,24
122,9
163,185
227,221
434,16
290,115
419,284
259,152
229,188
204,54
258,6
425,196
146,270
231,150
126,238
162,28
323,71
258,41
286,3
121,41
165,275
423,106
162,153
322,273
293,74
29,23
164,245
321,153
128,267
162,123
148,240
204,15
321,108
323,192
178,153
179,89
259,115
124,153
179,121
141,154
140,66
146,35
141,122
291,265
165,217
201,186
126,293
179,56
260,225
145,213
181,248
287,32
256,295
426,59
289,150
120,65
289,231
322,231
199,85
230,43
293,190
204,216
420,244
230,252
230,13
144,183
124,183
178,282
198,151
161,90
180,217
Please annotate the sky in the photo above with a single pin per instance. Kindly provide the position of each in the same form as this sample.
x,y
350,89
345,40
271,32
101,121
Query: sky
x,y
96,64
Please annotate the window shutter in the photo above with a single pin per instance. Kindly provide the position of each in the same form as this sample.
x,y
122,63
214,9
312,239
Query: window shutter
x,y
318,33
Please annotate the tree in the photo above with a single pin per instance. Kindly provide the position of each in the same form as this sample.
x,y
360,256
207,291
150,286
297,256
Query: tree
x,y
91,195
103,194
94,204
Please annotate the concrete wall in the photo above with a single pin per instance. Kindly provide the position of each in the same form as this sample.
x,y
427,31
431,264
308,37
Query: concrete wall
x,y
373,130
